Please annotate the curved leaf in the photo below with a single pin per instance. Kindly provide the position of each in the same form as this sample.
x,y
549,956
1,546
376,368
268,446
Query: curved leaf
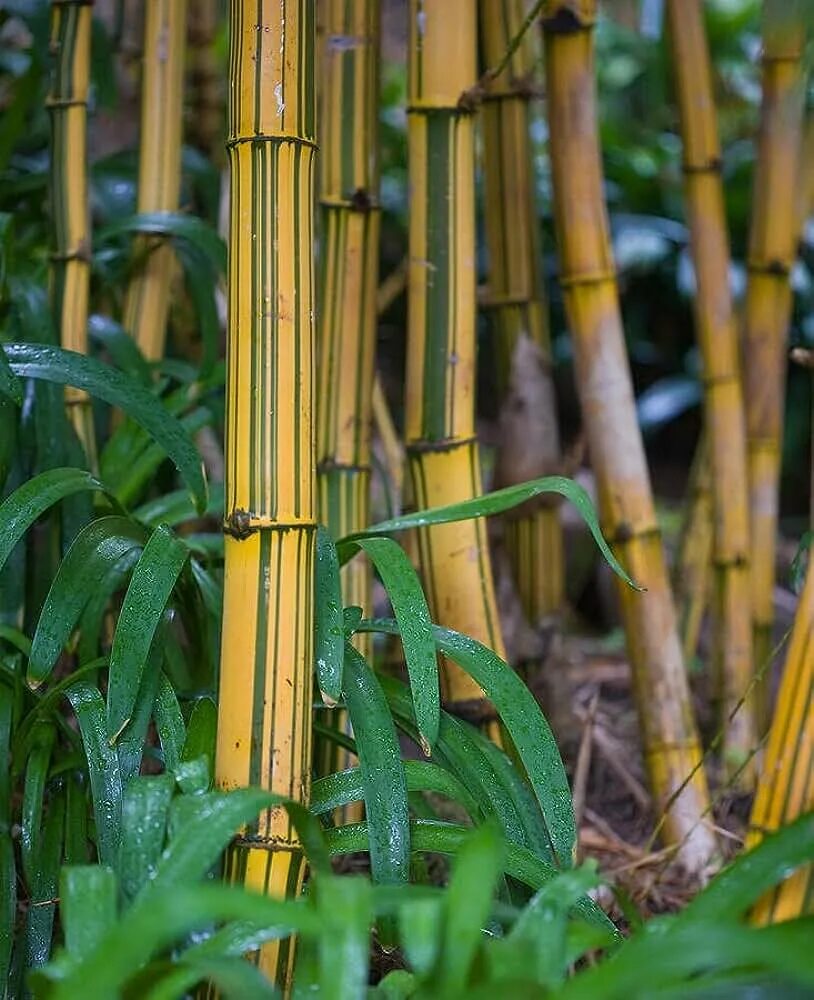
x,y
53,364
31,500
145,809
329,632
153,580
382,771
174,224
96,548
496,503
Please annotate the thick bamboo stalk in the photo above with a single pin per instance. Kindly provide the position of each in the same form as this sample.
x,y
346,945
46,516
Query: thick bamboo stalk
x,y
723,396
349,182
530,445
772,250
785,787
207,106
440,391
264,723
71,22
587,275
159,180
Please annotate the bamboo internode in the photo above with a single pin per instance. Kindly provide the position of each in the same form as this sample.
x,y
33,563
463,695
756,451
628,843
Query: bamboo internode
x,y
264,724
772,249
71,22
516,302
440,393
785,787
723,396
159,178
670,740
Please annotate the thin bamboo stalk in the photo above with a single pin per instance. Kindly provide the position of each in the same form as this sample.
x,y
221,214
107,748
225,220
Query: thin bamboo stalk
x,y
693,567
723,396
530,445
264,723
772,249
785,787
349,181
587,275
159,180
440,390
71,22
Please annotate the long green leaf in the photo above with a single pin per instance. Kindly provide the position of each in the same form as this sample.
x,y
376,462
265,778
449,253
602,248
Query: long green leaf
x,y
526,725
42,906
118,389
382,771
151,585
87,906
36,775
99,546
145,810
344,905
329,633
103,768
31,500
169,724
415,630
176,225
496,503
176,507
8,868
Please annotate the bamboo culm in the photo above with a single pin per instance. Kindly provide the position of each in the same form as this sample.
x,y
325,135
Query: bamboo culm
x,y
264,722
671,745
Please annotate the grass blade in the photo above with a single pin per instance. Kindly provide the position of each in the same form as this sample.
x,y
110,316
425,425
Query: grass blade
x,y
329,632
145,809
87,906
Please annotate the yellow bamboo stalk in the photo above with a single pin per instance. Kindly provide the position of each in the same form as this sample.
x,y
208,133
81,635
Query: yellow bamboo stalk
x,y
349,181
692,572
264,722
772,249
670,741
206,118
723,396
71,22
516,302
785,787
159,180
440,390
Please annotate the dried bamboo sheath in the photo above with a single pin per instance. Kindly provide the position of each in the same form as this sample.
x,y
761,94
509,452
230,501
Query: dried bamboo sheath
x,y
718,340
588,280
159,180
518,309
264,728
71,22
440,392
786,787
771,253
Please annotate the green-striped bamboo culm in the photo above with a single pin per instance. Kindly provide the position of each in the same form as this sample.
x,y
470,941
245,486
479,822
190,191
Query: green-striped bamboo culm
x,y
146,306
71,22
517,307
264,723
671,746
440,391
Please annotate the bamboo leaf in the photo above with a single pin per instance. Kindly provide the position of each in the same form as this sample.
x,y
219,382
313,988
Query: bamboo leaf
x,y
234,978
42,905
154,578
87,906
31,500
8,868
201,731
10,386
121,347
36,775
145,809
100,545
329,633
526,725
118,389
496,503
415,630
343,787
176,507
131,740
382,771
103,768
344,905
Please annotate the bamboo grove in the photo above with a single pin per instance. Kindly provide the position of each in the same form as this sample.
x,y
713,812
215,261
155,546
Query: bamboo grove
x,y
302,394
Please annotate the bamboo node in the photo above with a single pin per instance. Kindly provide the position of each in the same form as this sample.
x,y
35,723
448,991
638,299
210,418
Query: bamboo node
x,y
712,166
777,267
242,524
568,19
